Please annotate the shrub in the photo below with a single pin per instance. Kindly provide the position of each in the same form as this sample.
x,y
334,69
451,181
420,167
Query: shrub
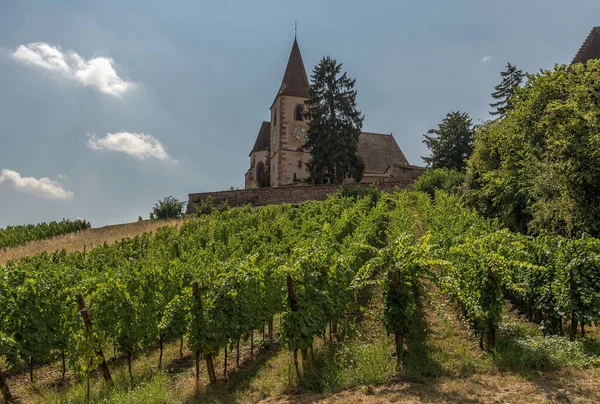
x,y
207,206
439,178
204,206
355,192
168,208
537,170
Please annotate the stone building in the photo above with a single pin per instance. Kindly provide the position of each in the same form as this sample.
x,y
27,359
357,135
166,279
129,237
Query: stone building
x,y
278,159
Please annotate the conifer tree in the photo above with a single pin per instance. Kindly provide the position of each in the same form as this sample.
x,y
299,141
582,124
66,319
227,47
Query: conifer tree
x,y
452,143
334,125
511,78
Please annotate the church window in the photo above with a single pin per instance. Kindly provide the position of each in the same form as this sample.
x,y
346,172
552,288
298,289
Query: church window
x,y
299,164
298,115
295,178
275,116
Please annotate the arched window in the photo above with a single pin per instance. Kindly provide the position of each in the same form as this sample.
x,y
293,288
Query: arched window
x,y
298,114
260,174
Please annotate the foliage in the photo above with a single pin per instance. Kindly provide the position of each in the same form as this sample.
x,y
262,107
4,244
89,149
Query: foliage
x,y
532,351
144,290
511,78
537,170
138,290
204,206
434,179
16,235
334,125
451,143
357,191
168,208
207,205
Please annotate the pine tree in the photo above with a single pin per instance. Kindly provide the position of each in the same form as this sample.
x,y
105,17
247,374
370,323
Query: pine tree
x,y
334,125
452,143
511,78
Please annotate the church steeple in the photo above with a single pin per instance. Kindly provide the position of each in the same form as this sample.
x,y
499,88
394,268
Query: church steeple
x,y
295,81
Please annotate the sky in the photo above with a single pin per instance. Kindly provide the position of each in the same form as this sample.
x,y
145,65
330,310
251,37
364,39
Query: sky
x,y
108,106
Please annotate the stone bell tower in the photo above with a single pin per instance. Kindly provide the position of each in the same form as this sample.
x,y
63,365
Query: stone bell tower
x,y
288,126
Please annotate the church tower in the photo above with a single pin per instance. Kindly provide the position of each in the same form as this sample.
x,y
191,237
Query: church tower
x,y
288,126
278,159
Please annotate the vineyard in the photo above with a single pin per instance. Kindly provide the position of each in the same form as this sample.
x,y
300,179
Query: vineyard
x,y
17,235
295,273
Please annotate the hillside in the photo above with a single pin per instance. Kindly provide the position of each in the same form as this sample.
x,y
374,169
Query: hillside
x,y
368,299
88,238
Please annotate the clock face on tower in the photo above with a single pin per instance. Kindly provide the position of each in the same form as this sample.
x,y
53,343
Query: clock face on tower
x,y
300,134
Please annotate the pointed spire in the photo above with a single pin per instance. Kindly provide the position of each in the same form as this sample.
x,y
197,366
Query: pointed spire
x,y
295,81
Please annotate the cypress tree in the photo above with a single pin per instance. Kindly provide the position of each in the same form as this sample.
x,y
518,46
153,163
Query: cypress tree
x,y
334,125
511,78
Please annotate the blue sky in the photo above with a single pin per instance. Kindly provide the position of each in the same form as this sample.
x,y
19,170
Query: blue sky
x,y
108,106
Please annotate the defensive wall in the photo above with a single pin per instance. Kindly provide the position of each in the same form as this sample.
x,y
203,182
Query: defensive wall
x,y
285,194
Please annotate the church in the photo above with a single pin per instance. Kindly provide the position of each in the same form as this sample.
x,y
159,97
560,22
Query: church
x,y
277,158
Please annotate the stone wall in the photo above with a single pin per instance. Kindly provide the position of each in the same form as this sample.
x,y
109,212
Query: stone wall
x,y
278,195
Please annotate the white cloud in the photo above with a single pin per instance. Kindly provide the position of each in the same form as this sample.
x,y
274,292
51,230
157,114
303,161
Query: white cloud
x,y
137,145
486,59
63,176
42,188
97,72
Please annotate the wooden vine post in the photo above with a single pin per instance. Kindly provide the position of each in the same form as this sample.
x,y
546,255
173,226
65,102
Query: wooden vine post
x,y
87,321
225,364
160,346
294,306
270,329
397,334
4,389
210,367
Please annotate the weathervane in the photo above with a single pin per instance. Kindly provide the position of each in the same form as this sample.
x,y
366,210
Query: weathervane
x,y
295,29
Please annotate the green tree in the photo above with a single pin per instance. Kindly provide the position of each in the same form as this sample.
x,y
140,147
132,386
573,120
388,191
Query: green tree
x,y
334,125
168,208
439,178
451,143
511,78
538,169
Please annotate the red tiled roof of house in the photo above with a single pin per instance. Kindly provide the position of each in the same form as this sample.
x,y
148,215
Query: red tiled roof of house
x,y
379,151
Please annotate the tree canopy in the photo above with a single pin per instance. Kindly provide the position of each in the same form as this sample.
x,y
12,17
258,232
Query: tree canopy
x,y
511,79
451,143
538,169
334,125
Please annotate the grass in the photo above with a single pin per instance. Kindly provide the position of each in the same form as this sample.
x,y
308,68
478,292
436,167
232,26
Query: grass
x,y
521,346
349,364
85,238
443,363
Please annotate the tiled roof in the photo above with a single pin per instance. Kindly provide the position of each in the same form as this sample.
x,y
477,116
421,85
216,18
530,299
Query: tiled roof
x,y
590,48
379,151
263,139
295,81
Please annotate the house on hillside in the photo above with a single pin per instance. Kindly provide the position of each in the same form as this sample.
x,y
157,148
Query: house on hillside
x,y
277,157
